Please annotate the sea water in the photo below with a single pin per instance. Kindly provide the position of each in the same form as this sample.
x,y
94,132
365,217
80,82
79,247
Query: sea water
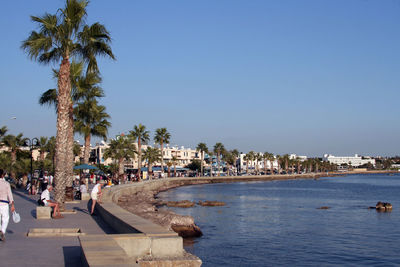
x,y
280,223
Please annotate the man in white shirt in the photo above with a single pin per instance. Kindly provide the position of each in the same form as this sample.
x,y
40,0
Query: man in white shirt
x,y
45,197
6,198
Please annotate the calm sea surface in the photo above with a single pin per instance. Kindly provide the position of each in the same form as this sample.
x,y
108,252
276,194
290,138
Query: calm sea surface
x,y
279,224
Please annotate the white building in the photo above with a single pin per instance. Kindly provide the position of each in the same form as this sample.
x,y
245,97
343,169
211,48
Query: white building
x,y
354,161
184,155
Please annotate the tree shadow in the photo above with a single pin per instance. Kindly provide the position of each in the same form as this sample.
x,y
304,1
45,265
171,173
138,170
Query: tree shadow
x,y
72,256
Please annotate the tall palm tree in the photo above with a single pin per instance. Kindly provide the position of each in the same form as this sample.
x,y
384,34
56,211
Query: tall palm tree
x,y
218,150
151,155
285,160
162,137
121,149
202,148
61,37
142,136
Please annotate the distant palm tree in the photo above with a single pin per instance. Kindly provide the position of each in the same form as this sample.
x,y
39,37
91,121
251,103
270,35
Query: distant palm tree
x,y
51,149
251,157
174,161
218,150
142,136
162,137
151,155
3,131
235,154
202,148
279,160
14,143
169,165
91,120
271,158
61,37
210,159
42,145
120,149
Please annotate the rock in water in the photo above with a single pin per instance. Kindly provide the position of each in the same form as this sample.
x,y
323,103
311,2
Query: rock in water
x,y
187,230
211,203
383,206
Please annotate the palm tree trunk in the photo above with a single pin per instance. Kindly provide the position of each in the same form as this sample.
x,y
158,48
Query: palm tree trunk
x,y
120,168
162,158
139,159
86,150
174,169
201,165
63,144
218,164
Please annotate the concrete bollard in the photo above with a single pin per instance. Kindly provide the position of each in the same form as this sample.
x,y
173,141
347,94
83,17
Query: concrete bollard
x,y
43,212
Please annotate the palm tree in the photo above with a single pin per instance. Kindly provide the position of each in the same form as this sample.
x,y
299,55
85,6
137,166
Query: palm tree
x,y
210,159
218,150
13,143
142,136
202,148
258,157
278,160
235,154
271,158
60,37
162,137
91,120
247,158
42,145
3,131
286,162
174,161
151,155
169,165
251,157
120,149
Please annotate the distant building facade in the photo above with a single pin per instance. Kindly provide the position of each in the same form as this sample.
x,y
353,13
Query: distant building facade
x,y
354,161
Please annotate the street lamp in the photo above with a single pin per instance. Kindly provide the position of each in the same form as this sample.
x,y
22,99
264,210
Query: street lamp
x,y
31,143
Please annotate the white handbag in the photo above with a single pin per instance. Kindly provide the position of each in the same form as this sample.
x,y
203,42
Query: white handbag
x,y
16,217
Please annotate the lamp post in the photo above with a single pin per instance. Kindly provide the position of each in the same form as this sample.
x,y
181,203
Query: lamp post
x,y
31,143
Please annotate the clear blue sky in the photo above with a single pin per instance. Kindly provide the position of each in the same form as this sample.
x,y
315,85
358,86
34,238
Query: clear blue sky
x,y
284,76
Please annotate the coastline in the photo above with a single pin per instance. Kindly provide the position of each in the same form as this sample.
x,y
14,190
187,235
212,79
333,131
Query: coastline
x,y
144,202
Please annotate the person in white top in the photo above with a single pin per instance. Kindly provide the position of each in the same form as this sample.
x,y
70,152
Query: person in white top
x,y
45,197
6,198
96,194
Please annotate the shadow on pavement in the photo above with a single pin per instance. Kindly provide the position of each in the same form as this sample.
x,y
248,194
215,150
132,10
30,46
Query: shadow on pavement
x,y
25,196
72,256
102,224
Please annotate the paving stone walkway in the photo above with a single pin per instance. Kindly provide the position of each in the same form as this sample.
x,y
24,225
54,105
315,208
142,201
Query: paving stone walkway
x,y
21,250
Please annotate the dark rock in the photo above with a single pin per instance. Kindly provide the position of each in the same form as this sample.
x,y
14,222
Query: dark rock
x,y
211,203
383,206
324,208
186,231
180,204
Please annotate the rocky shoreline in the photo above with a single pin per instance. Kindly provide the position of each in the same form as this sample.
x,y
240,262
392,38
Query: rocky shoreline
x,y
145,203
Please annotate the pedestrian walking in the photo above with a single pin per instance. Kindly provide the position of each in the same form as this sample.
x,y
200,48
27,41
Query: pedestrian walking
x,y
6,199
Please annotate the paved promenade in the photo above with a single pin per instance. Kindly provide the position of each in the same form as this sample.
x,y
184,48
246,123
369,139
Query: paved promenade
x,y
20,250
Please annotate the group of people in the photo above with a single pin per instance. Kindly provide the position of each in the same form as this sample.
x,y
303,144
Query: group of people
x,y
7,200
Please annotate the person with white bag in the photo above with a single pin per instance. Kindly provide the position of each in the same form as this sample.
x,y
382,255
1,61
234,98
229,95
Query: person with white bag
x,y
6,199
